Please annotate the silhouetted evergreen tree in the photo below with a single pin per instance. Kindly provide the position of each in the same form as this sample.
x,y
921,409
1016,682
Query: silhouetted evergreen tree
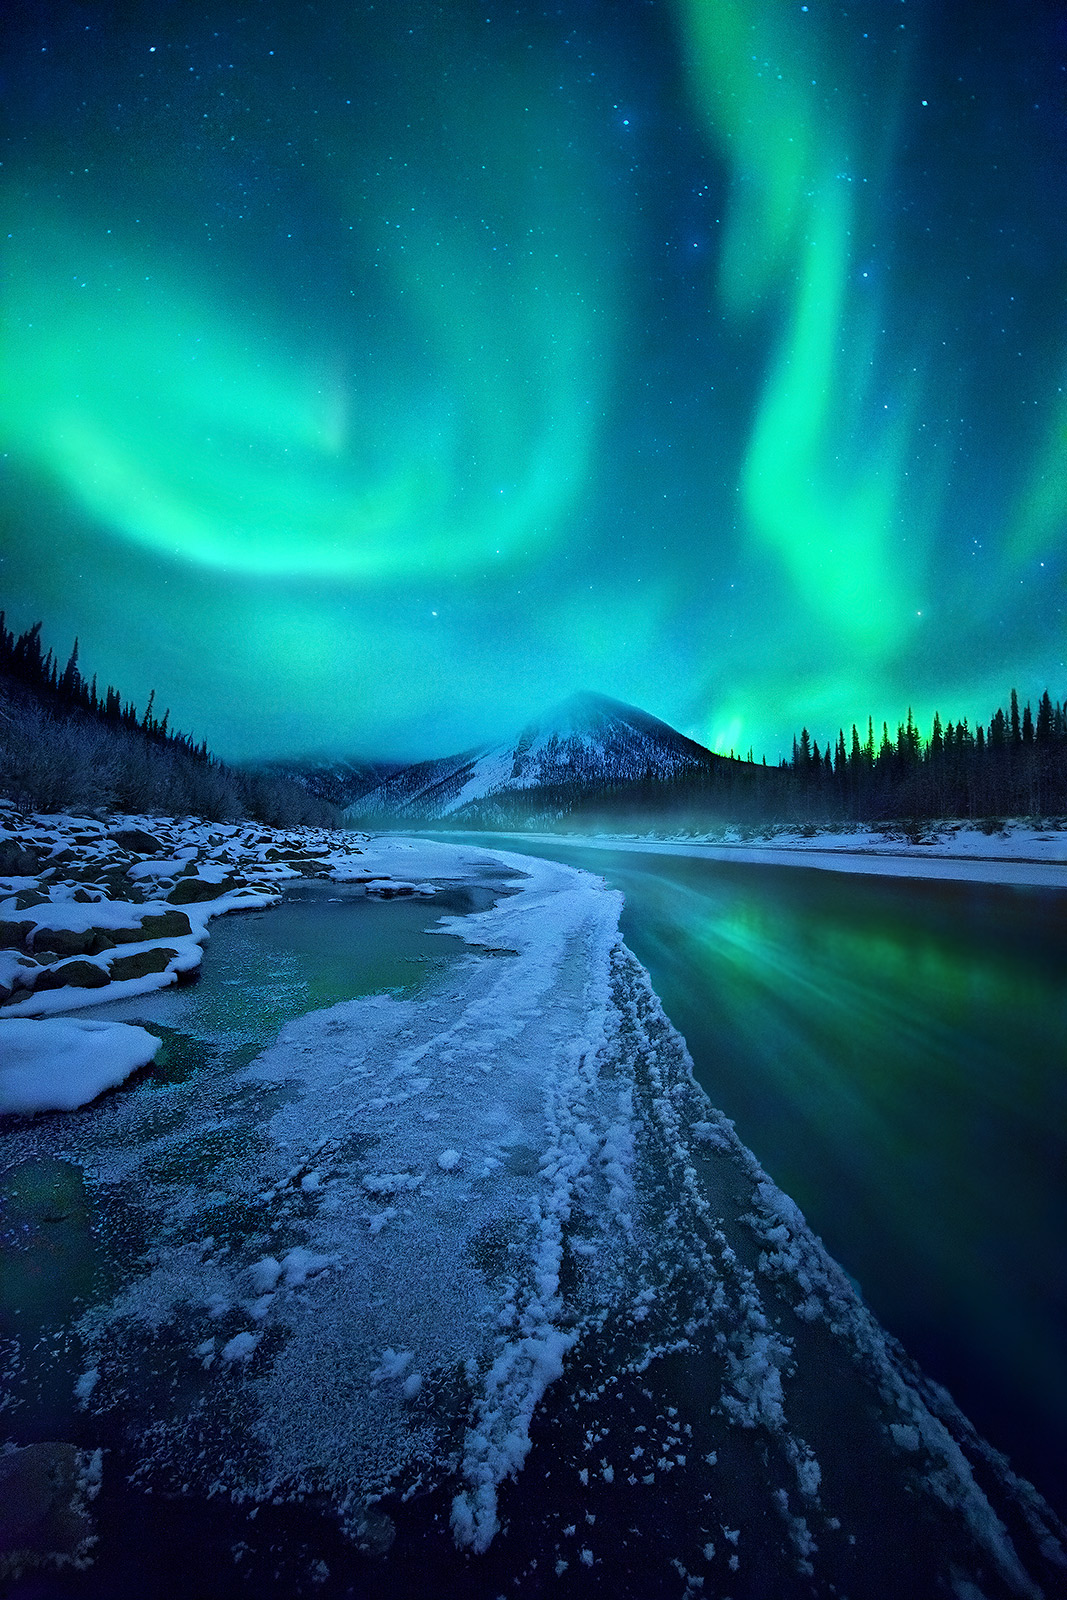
x,y
61,745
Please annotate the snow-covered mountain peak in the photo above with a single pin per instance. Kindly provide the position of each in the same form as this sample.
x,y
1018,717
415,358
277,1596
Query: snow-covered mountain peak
x,y
587,741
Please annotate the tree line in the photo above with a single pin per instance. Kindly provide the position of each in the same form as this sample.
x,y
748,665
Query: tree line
x,y
66,746
24,659
1016,765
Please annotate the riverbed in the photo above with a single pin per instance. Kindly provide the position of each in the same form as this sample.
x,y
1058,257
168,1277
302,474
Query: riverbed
x,y
892,1051
461,1286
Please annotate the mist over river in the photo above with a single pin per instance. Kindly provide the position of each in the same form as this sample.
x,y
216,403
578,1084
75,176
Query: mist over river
x,y
892,1050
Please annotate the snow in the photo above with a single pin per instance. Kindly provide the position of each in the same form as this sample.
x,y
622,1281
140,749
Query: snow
x,y
394,1364
57,1066
265,1274
1024,855
300,1265
240,1348
86,1384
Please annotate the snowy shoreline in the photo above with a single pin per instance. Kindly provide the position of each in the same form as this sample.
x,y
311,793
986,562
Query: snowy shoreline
x,y
410,1229
94,910
1025,856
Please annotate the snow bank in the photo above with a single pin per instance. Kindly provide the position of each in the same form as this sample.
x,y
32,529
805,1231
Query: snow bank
x,y
1024,857
58,1066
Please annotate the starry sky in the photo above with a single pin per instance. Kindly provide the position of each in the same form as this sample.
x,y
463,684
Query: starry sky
x,y
375,375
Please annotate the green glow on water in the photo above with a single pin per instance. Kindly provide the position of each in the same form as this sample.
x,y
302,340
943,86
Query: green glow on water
x,y
892,1052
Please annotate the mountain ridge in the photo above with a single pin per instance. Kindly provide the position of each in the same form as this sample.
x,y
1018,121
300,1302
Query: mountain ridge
x,y
586,743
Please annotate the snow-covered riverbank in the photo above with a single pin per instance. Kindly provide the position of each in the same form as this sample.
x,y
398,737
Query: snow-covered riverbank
x,y
93,911
1021,853
415,1241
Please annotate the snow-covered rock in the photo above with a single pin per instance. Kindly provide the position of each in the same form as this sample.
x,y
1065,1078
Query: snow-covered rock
x,y
57,1066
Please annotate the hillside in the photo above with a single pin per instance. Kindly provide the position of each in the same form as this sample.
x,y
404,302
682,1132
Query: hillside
x,y
65,746
338,783
587,746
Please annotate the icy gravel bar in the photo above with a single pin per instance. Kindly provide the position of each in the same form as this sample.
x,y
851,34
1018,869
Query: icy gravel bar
x,y
490,1252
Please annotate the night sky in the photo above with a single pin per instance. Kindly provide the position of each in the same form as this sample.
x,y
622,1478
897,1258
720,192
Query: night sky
x,y
373,376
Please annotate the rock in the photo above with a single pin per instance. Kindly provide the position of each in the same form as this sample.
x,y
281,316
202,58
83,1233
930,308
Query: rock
x,y
13,935
43,1515
16,861
73,975
140,964
29,897
190,891
163,925
121,887
138,841
65,863
19,981
73,942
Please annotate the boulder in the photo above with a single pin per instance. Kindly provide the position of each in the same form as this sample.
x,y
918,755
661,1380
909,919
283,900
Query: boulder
x,y
21,977
190,891
162,925
73,975
140,964
29,897
13,935
73,942
18,861
137,840
156,925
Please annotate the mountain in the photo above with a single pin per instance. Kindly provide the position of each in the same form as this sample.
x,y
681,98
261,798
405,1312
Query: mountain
x,y
588,744
340,783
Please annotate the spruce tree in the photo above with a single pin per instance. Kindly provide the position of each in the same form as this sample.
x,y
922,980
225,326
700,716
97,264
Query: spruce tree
x,y
1044,719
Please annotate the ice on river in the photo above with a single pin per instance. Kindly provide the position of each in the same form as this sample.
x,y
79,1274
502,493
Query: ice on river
x,y
376,1249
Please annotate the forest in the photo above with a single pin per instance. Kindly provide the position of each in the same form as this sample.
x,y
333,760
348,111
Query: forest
x,y
65,745
1014,766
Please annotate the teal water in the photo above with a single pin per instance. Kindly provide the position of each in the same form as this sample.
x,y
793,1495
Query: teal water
x,y
324,942
893,1051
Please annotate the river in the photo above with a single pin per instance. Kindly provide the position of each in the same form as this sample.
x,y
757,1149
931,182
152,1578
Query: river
x,y
892,1050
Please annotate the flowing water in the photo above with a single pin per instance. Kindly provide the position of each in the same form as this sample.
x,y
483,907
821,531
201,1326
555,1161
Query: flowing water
x,y
893,1051
890,1050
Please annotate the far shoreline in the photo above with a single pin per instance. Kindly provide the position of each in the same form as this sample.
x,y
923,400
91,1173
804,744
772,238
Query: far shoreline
x,y
1012,859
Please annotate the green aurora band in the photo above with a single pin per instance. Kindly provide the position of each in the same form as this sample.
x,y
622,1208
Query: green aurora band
x,y
368,388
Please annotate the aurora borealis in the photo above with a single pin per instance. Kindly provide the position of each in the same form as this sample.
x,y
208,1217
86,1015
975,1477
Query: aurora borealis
x,y
374,375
